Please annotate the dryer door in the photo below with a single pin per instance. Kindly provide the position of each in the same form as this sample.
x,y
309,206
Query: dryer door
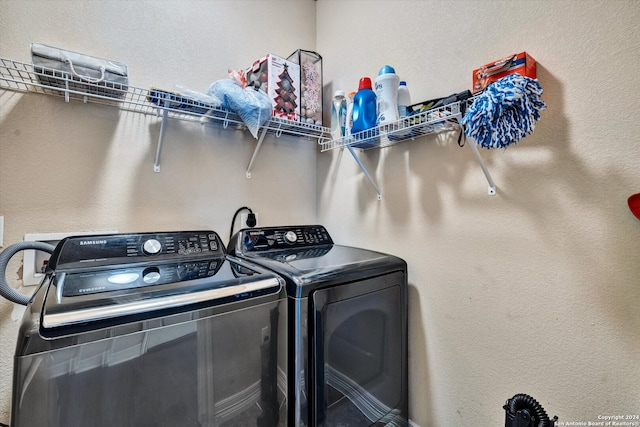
x,y
359,353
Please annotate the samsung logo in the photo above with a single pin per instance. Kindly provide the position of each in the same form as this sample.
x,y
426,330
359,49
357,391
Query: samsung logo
x,y
92,242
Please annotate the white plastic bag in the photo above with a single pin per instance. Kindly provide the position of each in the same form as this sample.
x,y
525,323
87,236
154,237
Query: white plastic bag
x,y
208,99
253,106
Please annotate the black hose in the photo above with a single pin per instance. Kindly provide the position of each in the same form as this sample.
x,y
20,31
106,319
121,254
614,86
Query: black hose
x,y
524,401
5,289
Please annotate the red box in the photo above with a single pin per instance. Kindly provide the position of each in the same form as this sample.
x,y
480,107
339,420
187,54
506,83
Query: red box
x,y
521,63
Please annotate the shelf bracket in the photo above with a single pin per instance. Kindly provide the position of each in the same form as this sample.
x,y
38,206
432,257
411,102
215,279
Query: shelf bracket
x,y
225,122
255,152
163,128
492,187
365,171
66,89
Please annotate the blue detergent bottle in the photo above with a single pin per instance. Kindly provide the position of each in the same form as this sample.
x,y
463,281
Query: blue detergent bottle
x,y
364,107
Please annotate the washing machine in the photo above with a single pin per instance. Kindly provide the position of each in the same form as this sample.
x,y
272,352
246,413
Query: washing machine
x,y
347,326
151,329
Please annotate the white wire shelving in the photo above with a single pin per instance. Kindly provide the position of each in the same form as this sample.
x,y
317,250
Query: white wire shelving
x,y
433,121
25,77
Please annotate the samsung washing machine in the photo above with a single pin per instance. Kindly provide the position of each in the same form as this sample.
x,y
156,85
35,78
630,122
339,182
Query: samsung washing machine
x,y
151,329
347,323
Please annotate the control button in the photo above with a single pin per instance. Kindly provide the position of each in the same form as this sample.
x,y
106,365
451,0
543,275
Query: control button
x,y
290,236
151,275
151,247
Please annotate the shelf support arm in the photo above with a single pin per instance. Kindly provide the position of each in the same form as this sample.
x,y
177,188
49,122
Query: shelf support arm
x,y
365,171
492,187
255,152
163,128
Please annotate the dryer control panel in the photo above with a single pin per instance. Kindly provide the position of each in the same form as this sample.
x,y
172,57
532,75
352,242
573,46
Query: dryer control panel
x,y
275,238
113,249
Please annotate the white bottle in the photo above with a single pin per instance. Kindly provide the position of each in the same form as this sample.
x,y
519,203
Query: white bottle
x,y
386,88
404,100
338,114
349,119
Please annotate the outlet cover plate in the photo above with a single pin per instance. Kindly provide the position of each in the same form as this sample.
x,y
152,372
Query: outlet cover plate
x,y
33,260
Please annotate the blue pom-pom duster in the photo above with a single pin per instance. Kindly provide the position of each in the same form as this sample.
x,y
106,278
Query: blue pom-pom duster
x,y
505,112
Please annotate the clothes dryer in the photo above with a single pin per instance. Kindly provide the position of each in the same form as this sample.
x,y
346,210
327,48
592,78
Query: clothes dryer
x,y
347,326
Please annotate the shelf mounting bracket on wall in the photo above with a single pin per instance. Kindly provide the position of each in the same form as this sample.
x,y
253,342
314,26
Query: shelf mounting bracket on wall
x,y
163,128
492,187
365,171
255,152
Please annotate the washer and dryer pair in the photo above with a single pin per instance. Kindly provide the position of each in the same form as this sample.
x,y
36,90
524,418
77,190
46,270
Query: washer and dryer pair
x,y
285,328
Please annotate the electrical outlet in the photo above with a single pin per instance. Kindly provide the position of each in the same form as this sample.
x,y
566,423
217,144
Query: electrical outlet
x,y
243,220
34,261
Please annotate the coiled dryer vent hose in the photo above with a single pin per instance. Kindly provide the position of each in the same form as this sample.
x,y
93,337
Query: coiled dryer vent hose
x,y
521,402
5,289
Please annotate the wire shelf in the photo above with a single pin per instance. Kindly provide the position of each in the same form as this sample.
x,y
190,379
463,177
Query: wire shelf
x,y
25,77
436,120
433,121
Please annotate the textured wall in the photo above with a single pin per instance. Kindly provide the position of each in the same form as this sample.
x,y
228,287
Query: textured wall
x,y
75,167
534,290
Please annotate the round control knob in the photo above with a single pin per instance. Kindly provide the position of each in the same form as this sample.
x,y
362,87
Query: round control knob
x,y
151,275
290,236
151,247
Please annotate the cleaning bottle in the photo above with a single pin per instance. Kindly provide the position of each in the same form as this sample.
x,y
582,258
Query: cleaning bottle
x,y
364,107
387,95
349,120
404,101
338,114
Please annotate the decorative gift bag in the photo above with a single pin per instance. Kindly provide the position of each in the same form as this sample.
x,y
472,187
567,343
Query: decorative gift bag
x,y
83,73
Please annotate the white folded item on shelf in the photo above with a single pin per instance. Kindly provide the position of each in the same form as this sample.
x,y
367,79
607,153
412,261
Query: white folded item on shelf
x,y
78,72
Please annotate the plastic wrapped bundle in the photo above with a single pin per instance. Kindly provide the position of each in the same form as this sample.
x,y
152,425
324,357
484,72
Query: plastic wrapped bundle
x,y
253,106
505,112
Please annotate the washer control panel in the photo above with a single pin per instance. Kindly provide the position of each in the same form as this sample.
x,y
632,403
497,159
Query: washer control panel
x,y
274,238
106,280
139,247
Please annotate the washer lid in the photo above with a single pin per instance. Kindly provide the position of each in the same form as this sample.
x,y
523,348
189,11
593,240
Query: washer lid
x,y
319,260
83,297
